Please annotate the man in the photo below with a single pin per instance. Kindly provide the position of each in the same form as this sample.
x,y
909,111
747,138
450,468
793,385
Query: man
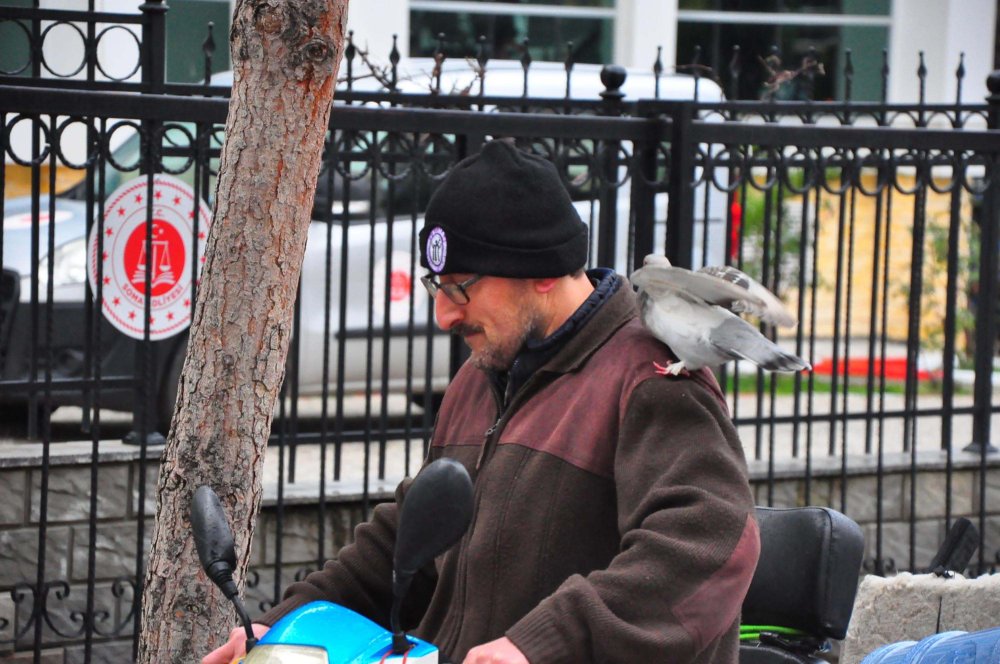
x,y
613,518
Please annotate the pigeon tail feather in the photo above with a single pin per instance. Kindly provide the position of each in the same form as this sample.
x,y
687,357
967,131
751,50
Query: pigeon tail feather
x,y
738,338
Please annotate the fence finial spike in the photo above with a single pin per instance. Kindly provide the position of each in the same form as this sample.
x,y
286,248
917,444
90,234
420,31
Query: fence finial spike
x,y
885,74
735,69
922,77
349,53
351,49
568,65
438,61
848,74
208,48
525,64
657,71
959,77
481,60
394,63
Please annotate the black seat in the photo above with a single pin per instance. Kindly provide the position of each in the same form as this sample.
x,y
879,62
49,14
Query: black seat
x,y
806,580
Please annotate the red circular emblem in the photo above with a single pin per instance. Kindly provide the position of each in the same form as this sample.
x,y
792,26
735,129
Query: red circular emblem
x,y
399,285
169,255
127,252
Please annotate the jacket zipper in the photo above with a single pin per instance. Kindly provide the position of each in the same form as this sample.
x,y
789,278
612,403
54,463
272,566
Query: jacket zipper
x,y
462,588
488,445
488,435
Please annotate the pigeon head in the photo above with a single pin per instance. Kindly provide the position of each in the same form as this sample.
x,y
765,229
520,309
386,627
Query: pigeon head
x,y
656,259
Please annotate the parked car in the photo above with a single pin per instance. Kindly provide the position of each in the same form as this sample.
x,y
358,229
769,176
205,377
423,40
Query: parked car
x,y
369,250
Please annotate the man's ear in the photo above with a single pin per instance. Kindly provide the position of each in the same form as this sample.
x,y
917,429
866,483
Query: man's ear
x,y
543,286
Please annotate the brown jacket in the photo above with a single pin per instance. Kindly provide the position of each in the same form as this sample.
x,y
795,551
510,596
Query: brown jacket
x,y
613,519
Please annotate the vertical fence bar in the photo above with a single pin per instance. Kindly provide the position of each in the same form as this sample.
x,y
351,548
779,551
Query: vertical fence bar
x,y
986,324
680,205
293,378
643,201
343,152
913,340
93,322
153,45
390,146
326,216
951,329
612,77
800,285
985,321
838,316
370,321
853,176
882,566
813,309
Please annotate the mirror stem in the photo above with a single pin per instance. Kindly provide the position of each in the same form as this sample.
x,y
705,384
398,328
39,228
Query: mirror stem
x,y
245,619
222,575
400,644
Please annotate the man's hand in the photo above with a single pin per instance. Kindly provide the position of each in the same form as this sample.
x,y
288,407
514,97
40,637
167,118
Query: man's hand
x,y
235,646
501,651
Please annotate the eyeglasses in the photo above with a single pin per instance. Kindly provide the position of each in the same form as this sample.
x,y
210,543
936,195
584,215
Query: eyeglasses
x,y
456,292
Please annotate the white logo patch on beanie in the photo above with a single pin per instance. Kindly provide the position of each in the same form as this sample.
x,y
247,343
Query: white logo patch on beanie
x,y
437,249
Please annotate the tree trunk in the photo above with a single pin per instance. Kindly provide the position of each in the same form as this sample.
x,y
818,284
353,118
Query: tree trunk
x,y
285,55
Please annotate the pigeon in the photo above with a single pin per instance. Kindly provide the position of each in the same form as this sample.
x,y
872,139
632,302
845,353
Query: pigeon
x,y
695,314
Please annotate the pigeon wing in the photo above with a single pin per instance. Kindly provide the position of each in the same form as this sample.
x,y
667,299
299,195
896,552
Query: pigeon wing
x,y
738,338
772,311
705,287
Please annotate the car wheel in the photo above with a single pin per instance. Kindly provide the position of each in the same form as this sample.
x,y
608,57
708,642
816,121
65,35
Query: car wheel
x,y
14,416
167,398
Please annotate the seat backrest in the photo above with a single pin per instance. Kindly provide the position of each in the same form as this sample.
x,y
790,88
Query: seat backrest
x,y
807,576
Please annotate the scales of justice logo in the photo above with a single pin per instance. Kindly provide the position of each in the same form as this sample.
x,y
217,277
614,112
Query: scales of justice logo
x,y
437,249
126,253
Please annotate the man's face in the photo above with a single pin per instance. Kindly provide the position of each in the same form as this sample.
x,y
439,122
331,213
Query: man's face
x,y
499,317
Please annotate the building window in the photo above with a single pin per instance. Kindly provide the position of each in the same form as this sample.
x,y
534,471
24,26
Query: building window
x,y
548,26
794,27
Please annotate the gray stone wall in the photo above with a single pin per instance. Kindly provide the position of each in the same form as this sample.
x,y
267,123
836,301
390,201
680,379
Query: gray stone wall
x,y
298,538
919,497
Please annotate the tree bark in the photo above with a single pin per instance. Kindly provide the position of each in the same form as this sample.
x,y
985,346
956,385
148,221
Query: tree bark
x,y
285,55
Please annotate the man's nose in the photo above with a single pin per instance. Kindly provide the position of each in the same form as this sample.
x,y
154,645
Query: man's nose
x,y
447,313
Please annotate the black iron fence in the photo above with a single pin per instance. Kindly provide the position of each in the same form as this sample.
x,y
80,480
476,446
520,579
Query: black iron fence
x,y
875,222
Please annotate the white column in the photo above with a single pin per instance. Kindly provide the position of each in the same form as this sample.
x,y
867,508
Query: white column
x,y
375,22
971,28
941,29
641,26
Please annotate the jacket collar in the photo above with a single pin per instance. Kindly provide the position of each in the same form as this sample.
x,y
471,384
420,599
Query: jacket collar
x,y
618,310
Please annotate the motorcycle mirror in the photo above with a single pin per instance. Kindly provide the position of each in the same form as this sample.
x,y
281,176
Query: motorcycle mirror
x,y
436,513
213,537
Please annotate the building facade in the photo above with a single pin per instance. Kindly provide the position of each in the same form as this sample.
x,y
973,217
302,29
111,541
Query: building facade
x,y
630,32
626,32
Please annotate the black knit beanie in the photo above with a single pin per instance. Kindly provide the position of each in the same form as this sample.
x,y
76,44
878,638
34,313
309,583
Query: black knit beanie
x,y
505,213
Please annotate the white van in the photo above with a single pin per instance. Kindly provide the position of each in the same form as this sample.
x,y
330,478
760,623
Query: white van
x,y
545,80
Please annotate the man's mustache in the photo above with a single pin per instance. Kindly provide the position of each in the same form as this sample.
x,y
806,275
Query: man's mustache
x,y
464,330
